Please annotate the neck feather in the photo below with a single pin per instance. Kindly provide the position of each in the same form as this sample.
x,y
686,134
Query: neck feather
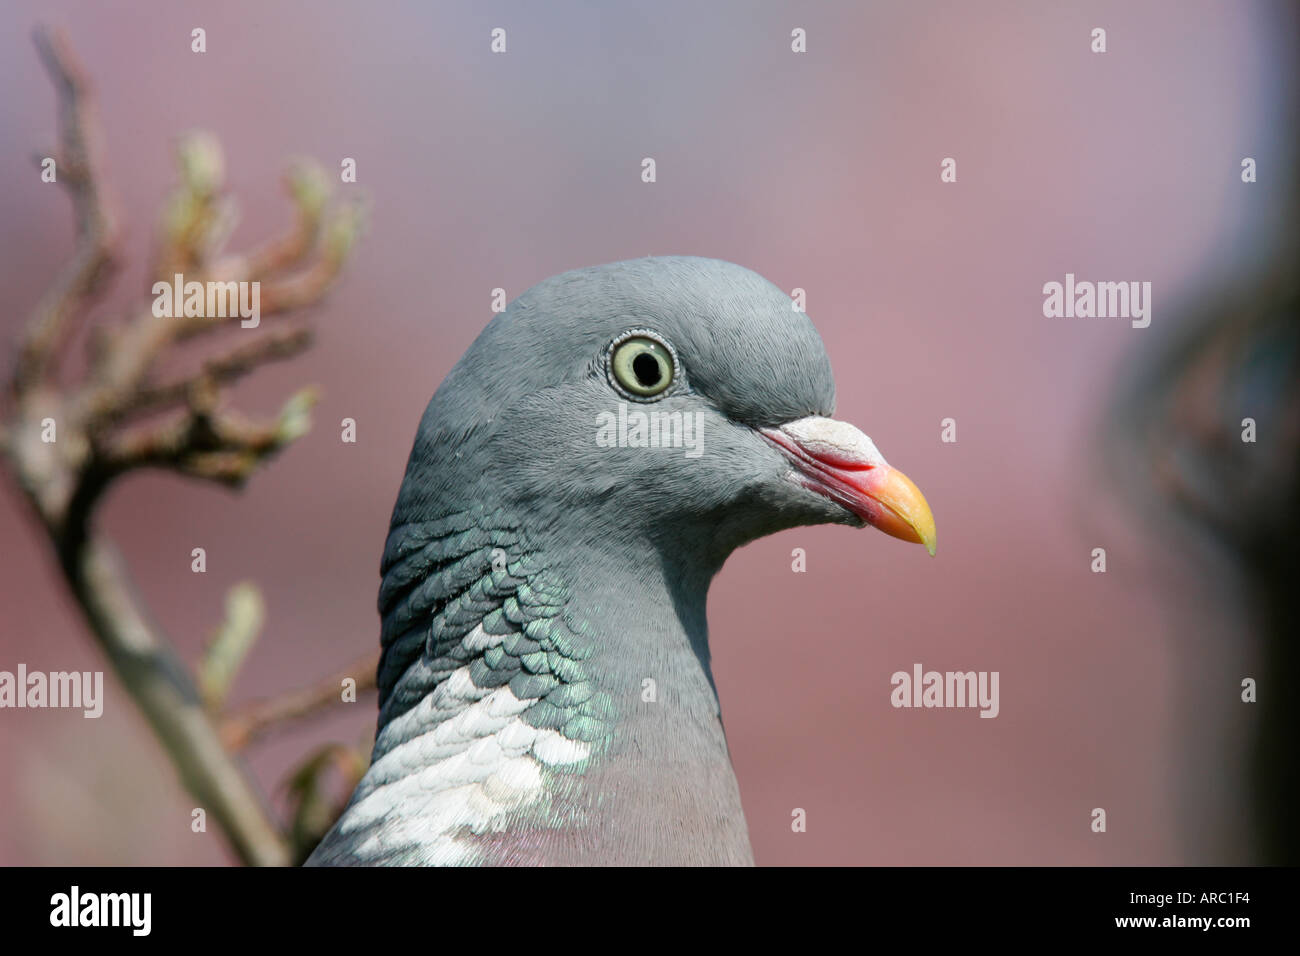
x,y
530,714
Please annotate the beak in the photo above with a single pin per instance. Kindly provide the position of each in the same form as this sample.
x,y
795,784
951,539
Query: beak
x,y
836,460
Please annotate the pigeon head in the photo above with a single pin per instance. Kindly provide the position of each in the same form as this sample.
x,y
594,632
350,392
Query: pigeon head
x,y
576,481
679,401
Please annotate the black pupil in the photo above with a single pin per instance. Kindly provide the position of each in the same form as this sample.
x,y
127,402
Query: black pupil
x,y
646,369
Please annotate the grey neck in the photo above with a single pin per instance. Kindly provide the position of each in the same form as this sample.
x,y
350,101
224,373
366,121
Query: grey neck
x,y
544,717
663,792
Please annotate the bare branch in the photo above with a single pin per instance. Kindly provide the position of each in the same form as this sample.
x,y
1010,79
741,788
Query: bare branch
x,y
208,443
225,653
64,478
77,165
197,218
245,725
306,185
161,687
281,292
238,362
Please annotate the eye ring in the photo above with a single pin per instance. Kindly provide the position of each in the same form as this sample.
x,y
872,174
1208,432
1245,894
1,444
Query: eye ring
x,y
642,365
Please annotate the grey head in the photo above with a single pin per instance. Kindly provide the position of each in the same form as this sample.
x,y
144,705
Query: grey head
x,y
575,483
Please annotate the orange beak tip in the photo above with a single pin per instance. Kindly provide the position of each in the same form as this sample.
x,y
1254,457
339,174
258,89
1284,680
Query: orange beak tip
x,y
906,514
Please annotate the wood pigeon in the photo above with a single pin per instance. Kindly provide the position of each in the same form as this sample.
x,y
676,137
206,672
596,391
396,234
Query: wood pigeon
x,y
577,480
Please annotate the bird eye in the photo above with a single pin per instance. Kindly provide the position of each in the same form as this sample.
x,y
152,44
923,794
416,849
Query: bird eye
x,y
642,365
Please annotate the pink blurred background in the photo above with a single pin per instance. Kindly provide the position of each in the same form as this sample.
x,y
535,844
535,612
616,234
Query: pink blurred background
x,y
819,171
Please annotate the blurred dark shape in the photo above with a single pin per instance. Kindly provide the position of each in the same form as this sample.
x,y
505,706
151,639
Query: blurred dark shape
x,y
1182,425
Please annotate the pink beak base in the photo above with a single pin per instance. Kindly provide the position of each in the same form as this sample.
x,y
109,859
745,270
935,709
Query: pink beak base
x,y
836,460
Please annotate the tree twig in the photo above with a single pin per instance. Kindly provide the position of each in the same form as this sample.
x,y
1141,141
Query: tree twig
x,y
241,727
161,686
67,443
77,167
270,347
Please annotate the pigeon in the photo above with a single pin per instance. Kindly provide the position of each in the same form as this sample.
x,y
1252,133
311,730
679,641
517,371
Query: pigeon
x,y
582,473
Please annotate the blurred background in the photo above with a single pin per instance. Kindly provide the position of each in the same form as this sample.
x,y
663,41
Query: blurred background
x,y
1119,690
